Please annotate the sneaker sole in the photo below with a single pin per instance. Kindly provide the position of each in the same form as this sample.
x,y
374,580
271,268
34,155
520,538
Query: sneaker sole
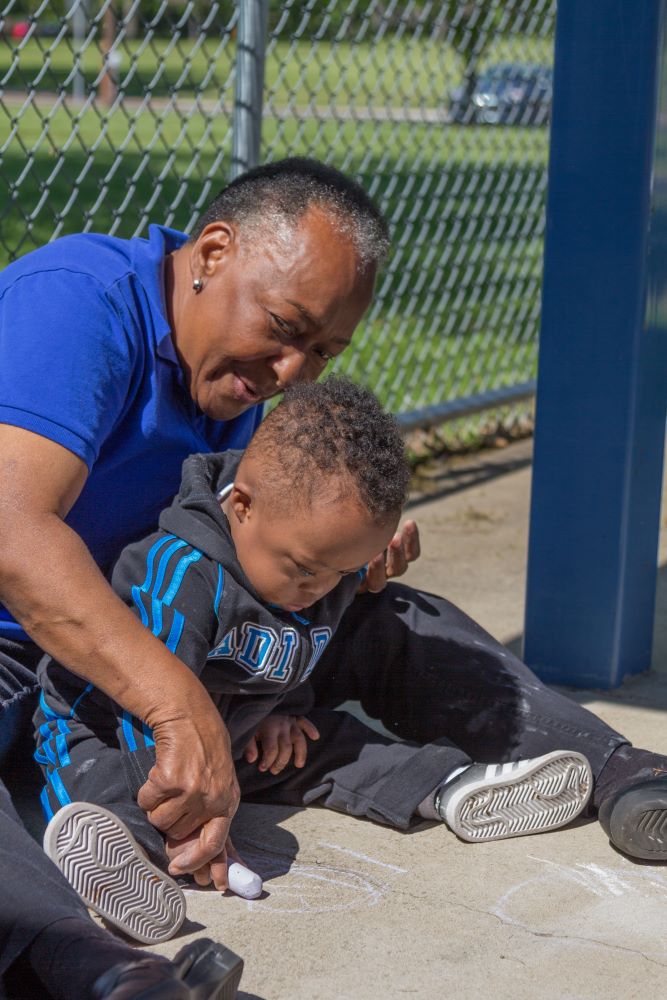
x,y
100,858
547,793
638,824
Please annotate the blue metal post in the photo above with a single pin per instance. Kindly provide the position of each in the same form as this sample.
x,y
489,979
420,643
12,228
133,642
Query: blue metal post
x,y
602,378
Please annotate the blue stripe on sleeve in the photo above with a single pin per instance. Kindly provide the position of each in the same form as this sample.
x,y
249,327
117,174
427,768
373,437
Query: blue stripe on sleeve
x,y
156,604
156,610
46,805
150,559
45,755
136,597
148,735
163,564
87,690
63,752
175,631
146,585
179,573
48,711
128,731
59,788
218,593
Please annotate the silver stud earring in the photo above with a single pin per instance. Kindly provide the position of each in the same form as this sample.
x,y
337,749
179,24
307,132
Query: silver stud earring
x,y
197,284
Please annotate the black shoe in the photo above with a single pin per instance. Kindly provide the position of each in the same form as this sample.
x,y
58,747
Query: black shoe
x,y
151,978
211,971
202,970
635,819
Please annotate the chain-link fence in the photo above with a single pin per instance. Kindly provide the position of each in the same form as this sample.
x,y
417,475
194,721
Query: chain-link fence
x,y
114,114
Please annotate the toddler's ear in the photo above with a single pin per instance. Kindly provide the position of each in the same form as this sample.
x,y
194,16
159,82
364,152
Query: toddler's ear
x,y
239,503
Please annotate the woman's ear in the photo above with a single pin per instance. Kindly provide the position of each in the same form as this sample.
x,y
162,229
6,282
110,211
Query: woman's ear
x,y
211,247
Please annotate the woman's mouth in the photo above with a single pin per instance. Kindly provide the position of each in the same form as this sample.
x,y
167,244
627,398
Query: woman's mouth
x,y
244,391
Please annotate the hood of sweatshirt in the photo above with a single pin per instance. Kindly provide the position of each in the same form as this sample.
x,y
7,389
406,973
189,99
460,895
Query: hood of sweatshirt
x,y
195,514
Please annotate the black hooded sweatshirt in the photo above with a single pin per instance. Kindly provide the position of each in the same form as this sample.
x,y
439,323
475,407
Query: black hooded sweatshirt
x,y
186,584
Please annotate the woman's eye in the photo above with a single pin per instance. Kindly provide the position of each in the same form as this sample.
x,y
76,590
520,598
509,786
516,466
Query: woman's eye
x,y
304,572
282,328
326,357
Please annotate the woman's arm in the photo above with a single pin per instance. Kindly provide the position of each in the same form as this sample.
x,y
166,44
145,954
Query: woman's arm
x,y
50,583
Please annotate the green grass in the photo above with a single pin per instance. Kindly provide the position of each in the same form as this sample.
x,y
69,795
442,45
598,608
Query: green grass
x,y
457,306
396,72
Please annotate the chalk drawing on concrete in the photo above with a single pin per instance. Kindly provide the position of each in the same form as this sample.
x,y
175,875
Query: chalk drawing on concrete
x,y
363,857
321,887
592,905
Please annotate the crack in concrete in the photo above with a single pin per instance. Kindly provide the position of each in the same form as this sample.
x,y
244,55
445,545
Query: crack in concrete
x,y
582,940
552,936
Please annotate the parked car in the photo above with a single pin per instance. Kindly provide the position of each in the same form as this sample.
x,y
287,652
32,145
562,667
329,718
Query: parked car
x,y
506,94
18,30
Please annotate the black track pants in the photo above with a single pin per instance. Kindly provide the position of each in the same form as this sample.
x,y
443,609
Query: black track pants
x,y
33,893
448,691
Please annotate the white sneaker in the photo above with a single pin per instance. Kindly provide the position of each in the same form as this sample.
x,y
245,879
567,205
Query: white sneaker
x,y
100,858
493,801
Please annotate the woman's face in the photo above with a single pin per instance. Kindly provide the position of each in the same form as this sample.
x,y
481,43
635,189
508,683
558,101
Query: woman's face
x,y
266,317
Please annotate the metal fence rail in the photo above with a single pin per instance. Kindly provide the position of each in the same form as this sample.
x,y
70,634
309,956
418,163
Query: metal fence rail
x,y
114,114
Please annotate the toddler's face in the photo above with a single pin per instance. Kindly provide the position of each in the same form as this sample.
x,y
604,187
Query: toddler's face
x,y
294,560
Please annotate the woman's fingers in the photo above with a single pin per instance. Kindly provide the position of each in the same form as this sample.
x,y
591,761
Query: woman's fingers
x,y
203,875
376,574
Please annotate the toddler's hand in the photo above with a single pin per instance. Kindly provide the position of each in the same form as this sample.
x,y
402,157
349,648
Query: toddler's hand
x,y
280,736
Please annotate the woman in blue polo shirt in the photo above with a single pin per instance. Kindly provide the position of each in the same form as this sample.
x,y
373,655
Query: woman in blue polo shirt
x,y
118,358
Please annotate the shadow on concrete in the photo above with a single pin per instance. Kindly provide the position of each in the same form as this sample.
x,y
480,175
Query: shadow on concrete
x,y
648,689
262,842
427,486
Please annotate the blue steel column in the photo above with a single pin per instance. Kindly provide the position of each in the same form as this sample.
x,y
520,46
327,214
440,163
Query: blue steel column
x,y
602,377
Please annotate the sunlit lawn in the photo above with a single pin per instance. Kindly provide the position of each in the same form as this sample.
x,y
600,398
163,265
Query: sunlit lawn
x,y
408,72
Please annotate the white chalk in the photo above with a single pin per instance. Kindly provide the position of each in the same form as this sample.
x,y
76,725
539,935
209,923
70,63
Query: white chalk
x,y
243,882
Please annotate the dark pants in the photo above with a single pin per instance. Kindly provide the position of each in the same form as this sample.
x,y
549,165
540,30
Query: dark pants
x,y
433,677
33,893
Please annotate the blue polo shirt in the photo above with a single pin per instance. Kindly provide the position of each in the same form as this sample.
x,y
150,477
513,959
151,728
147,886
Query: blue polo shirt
x,y
87,360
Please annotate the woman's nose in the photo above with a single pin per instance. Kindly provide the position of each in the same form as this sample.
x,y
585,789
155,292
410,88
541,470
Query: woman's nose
x,y
289,367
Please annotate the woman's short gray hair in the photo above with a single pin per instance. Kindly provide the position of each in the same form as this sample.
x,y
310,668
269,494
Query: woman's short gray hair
x,y
273,198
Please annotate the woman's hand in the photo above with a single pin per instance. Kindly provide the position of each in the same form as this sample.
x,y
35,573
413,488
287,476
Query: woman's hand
x,y
214,871
193,785
404,548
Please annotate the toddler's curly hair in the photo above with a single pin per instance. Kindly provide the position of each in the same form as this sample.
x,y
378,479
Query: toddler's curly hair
x,y
324,438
